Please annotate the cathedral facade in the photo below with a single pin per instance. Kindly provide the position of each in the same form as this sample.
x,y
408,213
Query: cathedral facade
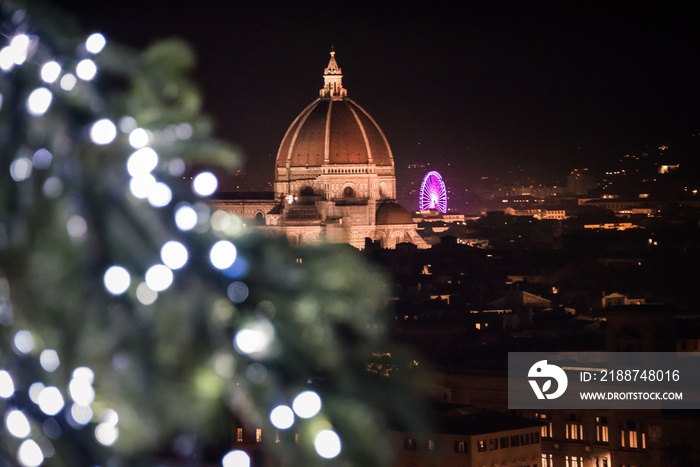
x,y
334,177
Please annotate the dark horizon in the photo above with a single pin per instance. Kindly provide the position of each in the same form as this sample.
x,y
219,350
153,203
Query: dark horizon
x,y
544,86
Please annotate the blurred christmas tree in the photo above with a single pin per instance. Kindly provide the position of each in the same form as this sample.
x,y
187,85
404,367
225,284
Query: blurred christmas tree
x,y
134,322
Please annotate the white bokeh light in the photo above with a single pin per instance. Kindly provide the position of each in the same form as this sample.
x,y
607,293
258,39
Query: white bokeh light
x,y
95,43
327,444
236,458
205,184
51,400
29,454
24,341
139,138
81,391
39,101
103,131
159,277
7,386
255,339
307,404
186,218
282,417
223,254
145,294
21,169
81,414
142,161
17,424
117,280
50,72
86,69
142,185
106,434
49,360
68,82
160,195
84,373
174,254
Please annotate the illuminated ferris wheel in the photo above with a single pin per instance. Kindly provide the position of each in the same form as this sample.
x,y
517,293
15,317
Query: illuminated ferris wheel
x,y
433,194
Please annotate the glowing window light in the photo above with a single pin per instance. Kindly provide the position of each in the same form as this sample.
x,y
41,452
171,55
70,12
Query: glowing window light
x,y
185,218
139,138
222,254
236,458
24,341
142,161
103,131
86,69
159,277
49,360
117,280
433,194
39,101
68,82
307,404
29,454
174,254
50,72
282,417
95,43
7,386
327,444
205,184
17,424
51,400
160,195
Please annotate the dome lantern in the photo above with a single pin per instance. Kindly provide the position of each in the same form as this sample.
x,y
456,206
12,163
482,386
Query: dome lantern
x,y
333,80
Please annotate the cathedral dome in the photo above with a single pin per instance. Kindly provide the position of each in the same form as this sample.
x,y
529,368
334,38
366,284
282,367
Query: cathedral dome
x,y
334,150
334,130
391,213
330,132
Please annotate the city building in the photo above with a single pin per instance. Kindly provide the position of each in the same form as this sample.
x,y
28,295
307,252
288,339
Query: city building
x,y
334,178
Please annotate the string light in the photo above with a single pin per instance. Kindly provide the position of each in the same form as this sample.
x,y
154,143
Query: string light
x,y
39,101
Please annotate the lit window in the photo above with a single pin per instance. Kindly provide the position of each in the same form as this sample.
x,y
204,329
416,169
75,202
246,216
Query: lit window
x,y
239,435
574,428
410,444
481,446
431,445
601,429
258,435
547,460
546,430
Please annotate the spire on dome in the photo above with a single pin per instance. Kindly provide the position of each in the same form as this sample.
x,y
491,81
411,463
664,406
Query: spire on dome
x,y
333,80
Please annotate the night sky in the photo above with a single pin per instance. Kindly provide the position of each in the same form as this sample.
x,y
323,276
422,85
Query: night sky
x,y
491,85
